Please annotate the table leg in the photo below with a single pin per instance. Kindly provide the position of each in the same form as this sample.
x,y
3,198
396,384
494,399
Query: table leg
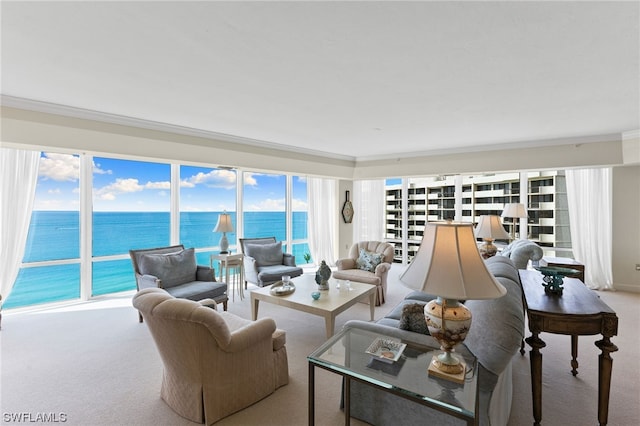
x,y
312,389
347,400
330,324
372,305
254,308
605,364
574,355
535,358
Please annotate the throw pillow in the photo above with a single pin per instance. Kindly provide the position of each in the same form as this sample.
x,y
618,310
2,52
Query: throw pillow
x,y
368,261
265,254
412,318
172,268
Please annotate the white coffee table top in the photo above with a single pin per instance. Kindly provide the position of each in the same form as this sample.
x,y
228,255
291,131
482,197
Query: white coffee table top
x,y
331,302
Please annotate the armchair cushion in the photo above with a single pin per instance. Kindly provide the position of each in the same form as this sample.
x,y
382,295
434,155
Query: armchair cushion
x,y
174,268
368,261
265,254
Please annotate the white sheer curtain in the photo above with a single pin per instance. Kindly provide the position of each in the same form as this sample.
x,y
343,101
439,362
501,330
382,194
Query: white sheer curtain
x,y
19,171
589,194
323,218
368,206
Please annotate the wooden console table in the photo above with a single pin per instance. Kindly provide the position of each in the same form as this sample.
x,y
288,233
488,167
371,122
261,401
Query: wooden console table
x,y
577,312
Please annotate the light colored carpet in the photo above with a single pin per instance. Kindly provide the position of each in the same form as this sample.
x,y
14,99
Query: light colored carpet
x,y
94,363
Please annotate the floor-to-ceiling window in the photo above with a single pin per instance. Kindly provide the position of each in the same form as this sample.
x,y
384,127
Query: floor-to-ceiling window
x,y
299,207
264,205
205,193
131,203
53,243
90,211
465,198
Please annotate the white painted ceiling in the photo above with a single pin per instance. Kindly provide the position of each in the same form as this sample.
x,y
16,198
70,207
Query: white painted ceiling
x,y
360,79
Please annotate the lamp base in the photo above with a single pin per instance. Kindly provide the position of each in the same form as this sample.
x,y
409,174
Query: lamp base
x,y
488,249
434,370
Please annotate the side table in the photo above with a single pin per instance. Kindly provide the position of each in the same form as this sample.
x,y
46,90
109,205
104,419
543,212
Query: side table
x,y
345,354
230,261
577,312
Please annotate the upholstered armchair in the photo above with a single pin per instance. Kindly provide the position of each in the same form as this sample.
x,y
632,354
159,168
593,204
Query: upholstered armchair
x,y
215,363
265,262
368,262
174,269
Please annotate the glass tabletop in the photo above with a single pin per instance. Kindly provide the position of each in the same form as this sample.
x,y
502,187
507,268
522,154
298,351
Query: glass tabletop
x,y
346,354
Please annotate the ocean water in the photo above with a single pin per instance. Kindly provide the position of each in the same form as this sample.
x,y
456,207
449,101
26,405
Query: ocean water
x,y
55,235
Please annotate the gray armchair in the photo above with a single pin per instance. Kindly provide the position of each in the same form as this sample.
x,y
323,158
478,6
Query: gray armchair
x,y
265,262
174,269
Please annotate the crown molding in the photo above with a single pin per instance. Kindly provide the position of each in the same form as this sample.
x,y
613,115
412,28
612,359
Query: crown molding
x,y
86,114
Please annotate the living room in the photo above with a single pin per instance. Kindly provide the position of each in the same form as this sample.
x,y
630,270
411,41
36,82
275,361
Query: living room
x,y
38,113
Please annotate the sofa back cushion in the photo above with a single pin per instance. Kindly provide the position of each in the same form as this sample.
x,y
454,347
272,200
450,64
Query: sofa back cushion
x,y
265,254
172,268
497,328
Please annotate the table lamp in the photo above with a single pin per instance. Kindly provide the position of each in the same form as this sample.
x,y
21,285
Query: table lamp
x,y
448,265
514,211
224,225
490,228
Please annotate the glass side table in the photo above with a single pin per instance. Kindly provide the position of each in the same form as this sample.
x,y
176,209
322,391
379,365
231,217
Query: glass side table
x,y
344,354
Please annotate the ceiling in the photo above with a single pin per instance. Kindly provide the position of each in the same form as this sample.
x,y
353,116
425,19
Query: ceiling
x,y
357,79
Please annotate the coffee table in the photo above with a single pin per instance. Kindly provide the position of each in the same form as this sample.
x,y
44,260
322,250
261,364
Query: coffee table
x,y
331,302
345,354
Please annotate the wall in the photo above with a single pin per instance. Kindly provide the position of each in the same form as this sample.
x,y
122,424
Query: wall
x,y
42,131
626,227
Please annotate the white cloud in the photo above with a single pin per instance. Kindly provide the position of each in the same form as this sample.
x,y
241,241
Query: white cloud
x,y
269,205
250,180
215,179
63,167
298,205
128,186
59,167
157,185
120,186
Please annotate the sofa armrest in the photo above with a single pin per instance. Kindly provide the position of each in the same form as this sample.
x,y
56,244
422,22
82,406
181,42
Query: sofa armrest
x,y
347,263
205,273
148,281
288,259
521,251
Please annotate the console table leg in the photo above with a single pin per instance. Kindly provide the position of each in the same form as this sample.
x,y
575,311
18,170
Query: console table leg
x,y
312,388
574,355
605,364
535,358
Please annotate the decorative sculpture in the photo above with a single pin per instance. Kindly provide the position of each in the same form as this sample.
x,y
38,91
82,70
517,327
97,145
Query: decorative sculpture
x,y
322,276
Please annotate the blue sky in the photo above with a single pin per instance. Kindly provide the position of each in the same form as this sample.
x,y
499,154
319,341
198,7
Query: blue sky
x,y
124,185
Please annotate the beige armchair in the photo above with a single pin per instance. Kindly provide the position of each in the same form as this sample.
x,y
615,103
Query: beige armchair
x,y
368,262
215,363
